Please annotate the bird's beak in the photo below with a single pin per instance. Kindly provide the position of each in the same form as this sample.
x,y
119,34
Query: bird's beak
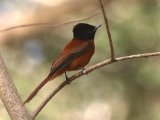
x,y
96,27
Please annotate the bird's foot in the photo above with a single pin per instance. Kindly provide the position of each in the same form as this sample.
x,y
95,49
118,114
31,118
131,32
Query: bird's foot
x,y
82,70
67,79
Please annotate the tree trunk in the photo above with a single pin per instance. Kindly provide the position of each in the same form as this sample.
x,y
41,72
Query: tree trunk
x,y
10,96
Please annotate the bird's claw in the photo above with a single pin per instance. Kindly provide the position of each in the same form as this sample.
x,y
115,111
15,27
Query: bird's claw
x,y
82,70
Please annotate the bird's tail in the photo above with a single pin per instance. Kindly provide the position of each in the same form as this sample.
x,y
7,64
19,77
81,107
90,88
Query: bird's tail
x,y
36,90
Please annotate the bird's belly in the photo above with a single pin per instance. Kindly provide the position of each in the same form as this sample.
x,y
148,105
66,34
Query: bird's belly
x,y
80,62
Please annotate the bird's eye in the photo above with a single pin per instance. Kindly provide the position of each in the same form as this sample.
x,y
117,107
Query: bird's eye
x,y
89,31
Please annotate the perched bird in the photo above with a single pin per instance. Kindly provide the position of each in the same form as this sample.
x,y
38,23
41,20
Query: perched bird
x,y
75,55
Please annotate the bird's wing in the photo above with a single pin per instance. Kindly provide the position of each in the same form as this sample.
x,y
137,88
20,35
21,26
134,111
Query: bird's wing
x,y
66,58
62,61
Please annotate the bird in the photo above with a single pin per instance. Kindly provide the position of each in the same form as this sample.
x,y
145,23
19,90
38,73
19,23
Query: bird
x,y
75,55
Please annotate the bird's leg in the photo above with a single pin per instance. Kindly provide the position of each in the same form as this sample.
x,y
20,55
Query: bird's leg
x,y
67,79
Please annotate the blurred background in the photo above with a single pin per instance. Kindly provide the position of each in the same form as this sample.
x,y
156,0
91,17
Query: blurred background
x,y
127,90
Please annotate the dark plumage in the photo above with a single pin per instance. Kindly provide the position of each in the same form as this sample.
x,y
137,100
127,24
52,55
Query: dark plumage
x,y
84,31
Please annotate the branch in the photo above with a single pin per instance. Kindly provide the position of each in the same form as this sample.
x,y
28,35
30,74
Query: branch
x,y
49,25
88,70
108,30
10,96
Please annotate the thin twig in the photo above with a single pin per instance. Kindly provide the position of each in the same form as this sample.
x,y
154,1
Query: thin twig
x,y
86,71
108,30
49,25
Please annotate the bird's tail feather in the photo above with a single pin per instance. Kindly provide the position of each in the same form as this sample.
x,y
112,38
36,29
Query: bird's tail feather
x,y
36,90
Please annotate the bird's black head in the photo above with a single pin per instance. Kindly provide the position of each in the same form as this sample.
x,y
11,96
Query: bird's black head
x,y
84,31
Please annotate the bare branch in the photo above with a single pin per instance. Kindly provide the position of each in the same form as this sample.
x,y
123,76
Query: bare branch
x,y
49,25
108,30
10,96
88,70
